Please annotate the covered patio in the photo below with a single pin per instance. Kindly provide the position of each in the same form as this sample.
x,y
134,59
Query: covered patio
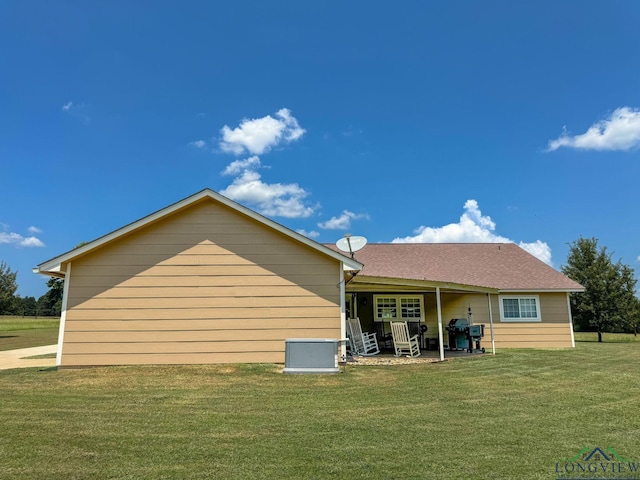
x,y
426,306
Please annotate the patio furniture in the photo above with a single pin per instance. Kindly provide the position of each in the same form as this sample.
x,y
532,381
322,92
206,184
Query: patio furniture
x,y
402,342
364,344
384,338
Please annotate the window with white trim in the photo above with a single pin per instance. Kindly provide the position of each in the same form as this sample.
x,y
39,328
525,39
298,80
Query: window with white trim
x,y
409,308
520,309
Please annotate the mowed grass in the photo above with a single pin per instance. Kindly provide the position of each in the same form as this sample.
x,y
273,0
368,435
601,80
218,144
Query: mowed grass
x,y
508,416
606,337
24,332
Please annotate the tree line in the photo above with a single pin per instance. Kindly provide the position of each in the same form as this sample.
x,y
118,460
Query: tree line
x,y
48,305
608,304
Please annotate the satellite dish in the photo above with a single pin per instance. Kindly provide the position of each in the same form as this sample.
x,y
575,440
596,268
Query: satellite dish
x,y
351,244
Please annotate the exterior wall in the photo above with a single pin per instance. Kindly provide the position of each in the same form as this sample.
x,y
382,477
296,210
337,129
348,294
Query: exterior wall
x,y
205,285
553,331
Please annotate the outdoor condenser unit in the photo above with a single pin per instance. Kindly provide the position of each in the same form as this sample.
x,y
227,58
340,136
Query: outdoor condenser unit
x,y
311,355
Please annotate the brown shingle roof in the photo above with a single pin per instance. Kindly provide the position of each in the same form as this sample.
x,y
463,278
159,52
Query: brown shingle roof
x,y
503,266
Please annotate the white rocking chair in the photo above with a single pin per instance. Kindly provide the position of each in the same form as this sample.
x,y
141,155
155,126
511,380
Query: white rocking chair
x,y
402,342
364,344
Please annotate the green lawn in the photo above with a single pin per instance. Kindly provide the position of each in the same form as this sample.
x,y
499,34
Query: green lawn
x,y
606,337
513,415
24,332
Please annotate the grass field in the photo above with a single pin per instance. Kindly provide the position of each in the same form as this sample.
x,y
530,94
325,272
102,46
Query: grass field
x,y
24,332
512,415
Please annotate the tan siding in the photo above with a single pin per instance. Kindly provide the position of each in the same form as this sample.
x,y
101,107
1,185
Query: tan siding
x,y
176,359
236,335
181,314
206,281
552,331
157,325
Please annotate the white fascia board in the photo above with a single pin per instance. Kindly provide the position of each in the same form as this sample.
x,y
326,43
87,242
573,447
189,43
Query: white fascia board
x,y
55,264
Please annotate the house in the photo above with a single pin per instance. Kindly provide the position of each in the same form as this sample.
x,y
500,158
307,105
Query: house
x,y
206,280
522,301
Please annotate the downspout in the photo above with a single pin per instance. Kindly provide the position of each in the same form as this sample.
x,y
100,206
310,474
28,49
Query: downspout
x,y
573,340
493,340
63,314
440,339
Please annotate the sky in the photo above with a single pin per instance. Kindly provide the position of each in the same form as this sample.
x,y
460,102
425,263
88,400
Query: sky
x,y
411,121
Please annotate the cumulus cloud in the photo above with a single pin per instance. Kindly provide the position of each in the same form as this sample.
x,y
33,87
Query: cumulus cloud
x,y
473,227
310,234
33,229
259,135
620,131
275,199
12,238
238,166
342,222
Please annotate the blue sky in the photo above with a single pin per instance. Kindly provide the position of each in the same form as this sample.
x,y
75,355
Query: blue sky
x,y
410,121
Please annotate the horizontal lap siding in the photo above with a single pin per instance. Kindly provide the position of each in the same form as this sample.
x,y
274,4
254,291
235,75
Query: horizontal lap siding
x,y
553,331
203,286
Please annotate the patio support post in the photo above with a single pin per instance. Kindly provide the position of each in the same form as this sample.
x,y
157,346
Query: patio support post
x,y
493,341
440,339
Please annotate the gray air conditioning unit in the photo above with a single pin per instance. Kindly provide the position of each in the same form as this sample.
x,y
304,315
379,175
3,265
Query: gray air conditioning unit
x,y
311,355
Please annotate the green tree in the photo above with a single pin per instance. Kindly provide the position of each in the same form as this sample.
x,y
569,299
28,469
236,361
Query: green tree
x,y
8,287
608,302
28,307
51,302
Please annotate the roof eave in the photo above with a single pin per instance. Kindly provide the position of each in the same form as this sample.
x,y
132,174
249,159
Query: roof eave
x,y
432,284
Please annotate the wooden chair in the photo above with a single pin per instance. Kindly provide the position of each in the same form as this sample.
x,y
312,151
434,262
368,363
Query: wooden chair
x,y
402,342
364,344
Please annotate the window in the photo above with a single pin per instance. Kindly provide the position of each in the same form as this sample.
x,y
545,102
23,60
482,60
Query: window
x,y
401,307
520,309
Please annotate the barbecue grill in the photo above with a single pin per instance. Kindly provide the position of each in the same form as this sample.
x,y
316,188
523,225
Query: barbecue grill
x,y
463,336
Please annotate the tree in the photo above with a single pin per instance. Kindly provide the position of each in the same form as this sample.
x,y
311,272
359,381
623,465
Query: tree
x,y
51,302
8,287
608,302
28,306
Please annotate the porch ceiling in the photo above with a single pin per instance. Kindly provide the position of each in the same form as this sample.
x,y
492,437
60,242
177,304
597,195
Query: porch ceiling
x,y
363,283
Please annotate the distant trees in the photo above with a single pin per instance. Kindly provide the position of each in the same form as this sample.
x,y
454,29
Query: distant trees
x,y
609,302
8,287
49,304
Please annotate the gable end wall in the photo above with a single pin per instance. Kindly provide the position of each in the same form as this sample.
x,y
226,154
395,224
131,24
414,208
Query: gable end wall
x,y
205,285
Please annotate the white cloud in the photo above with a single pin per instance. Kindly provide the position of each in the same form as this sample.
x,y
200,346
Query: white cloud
x,y
473,227
12,238
342,222
238,166
201,144
620,131
78,111
33,229
275,199
259,135
310,234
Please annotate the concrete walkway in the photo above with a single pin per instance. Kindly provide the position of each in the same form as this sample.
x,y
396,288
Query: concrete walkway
x,y
16,358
